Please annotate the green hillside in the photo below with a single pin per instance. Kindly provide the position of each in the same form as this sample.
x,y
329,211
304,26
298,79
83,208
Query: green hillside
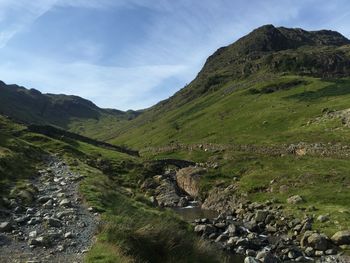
x,y
262,89
271,112
110,185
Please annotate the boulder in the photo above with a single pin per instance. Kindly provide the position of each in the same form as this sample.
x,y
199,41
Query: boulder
x,y
323,218
295,199
261,215
319,241
204,229
188,179
341,238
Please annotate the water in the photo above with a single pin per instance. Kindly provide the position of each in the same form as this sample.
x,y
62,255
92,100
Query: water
x,y
192,212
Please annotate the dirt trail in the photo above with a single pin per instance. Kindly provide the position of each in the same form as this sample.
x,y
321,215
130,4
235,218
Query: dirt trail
x,y
55,227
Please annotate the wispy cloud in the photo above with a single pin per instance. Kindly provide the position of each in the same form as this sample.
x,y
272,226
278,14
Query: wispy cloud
x,y
158,46
106,86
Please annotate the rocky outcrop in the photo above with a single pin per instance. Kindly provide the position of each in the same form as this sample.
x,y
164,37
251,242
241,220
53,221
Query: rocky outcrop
x,y
188,180
221,199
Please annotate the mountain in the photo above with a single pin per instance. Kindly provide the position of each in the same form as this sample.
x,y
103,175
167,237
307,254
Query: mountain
x,y
229,99
68,112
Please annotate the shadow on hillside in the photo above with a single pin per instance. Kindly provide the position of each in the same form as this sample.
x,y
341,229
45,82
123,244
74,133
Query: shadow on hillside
x,y
337,88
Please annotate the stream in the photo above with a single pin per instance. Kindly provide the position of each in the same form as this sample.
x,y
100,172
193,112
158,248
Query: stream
x,y
192,212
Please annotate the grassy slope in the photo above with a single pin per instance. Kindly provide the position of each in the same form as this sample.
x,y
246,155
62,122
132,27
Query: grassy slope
x,y
132,230
242,117
248,115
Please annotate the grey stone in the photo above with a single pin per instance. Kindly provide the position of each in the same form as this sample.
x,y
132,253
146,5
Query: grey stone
x,y
261,215
250,260
33,234
341,238
318,241
323,218
65,202
295,199
5,227
204,229
54,222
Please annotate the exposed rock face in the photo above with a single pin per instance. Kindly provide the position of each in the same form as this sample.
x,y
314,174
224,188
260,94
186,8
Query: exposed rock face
x,y
188,180
221,199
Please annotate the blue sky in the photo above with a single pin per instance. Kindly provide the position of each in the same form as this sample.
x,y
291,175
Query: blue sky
x,y
130,54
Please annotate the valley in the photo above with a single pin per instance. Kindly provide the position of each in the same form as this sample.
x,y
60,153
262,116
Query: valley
x,y
247,163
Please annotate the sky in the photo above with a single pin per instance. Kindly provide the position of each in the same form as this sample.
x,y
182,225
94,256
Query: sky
x,y
130,54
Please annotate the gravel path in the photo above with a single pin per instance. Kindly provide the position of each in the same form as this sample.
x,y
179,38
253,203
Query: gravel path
x,y
55,227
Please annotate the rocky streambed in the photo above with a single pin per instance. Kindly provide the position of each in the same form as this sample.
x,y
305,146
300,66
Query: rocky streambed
x,y
260,232
46,221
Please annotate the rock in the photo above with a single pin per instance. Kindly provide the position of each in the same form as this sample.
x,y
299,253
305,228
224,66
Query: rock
x,y
341,238
53,222
231,241
48,204
271,229
266,257
26,196
319,253
306,227
39,241
64,213
323,218
204,229
250,260
331,251
30,211
61,195
318,241
250,253
34,221
261,215
60,248
22,219
167,194
33,234
295,199
183,202
5,227
304,240
68,235
188,180
220,225
65,202
44,199
222,238
309,251
232,229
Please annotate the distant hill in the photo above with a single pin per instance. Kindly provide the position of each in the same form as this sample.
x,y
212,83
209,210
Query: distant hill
x,y
68,112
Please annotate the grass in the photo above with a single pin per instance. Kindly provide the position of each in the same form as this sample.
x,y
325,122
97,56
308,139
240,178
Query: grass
x,y
131,229
244,118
